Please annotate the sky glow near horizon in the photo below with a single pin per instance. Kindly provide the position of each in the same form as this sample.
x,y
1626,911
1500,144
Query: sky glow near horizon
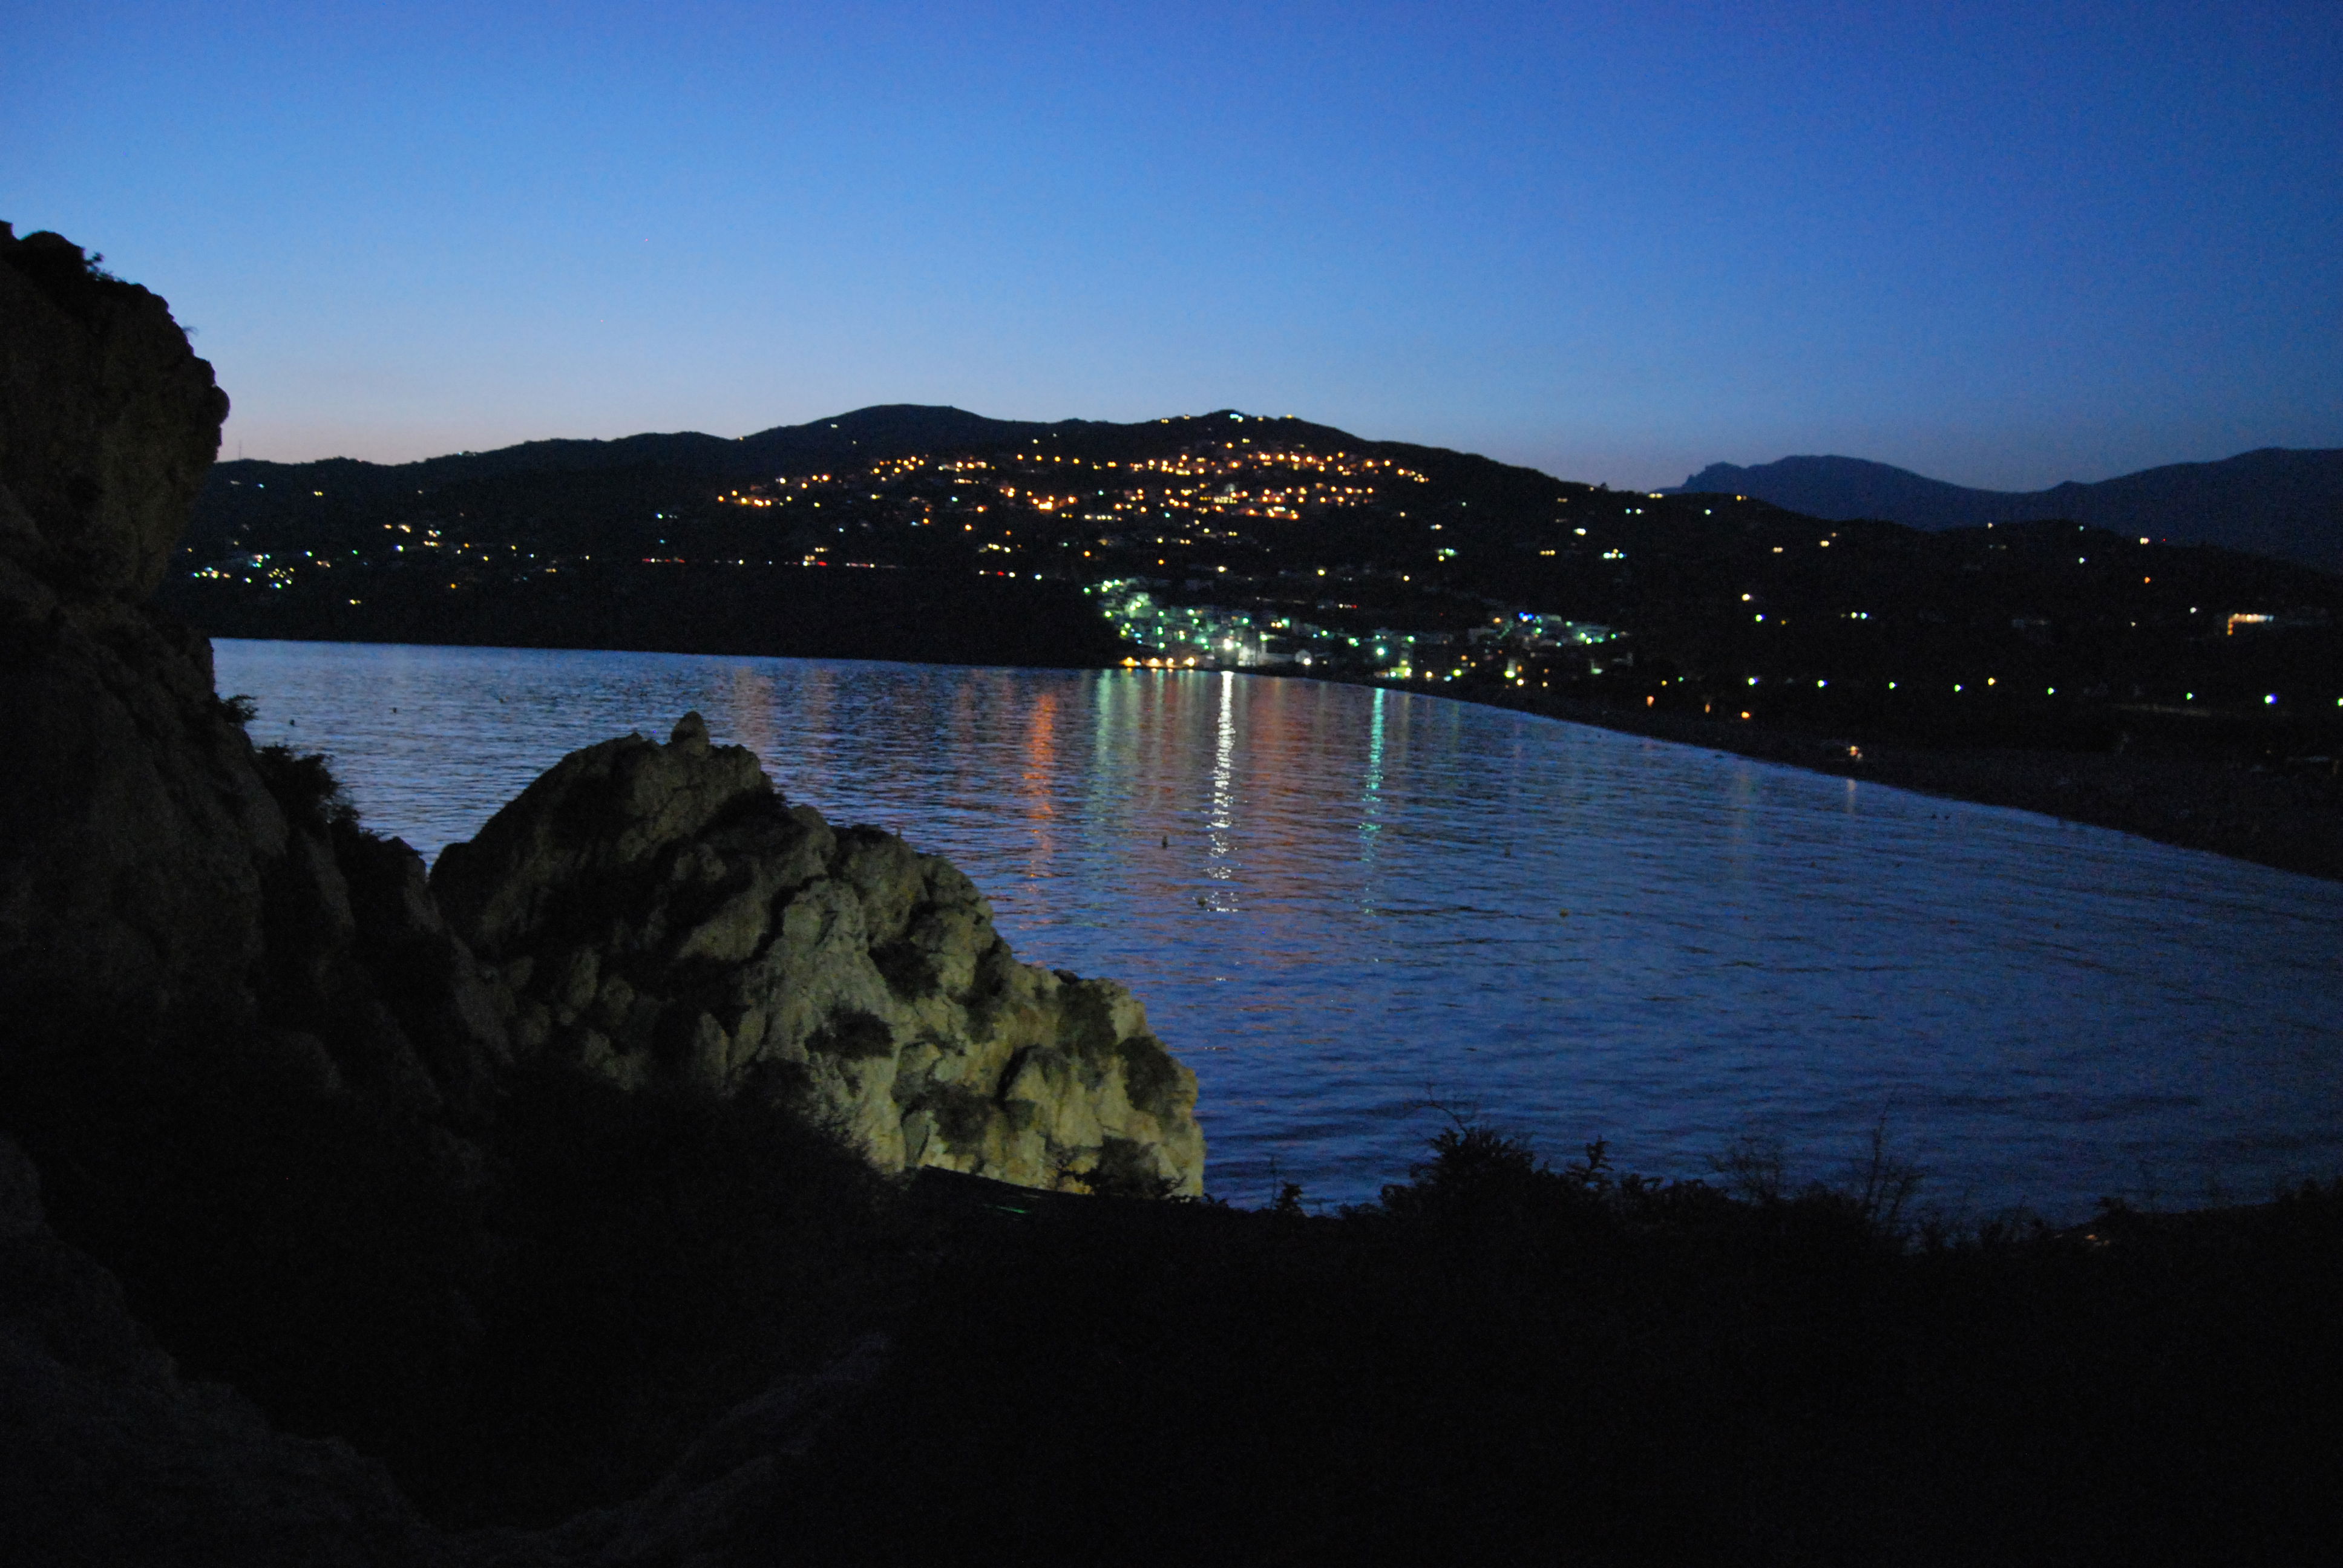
x,y
2001,244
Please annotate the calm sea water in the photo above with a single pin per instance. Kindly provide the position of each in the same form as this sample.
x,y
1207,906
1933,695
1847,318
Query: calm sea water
x,y
1342,906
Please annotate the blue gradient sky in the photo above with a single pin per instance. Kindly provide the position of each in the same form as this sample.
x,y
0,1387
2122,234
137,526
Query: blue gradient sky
x,y
2003,245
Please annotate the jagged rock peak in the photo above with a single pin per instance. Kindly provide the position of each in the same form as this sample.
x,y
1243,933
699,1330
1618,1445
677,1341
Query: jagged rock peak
x,y
107,421
661,913
592,816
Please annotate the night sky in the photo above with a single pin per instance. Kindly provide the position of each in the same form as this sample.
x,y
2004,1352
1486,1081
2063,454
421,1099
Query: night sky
x,y
2003,245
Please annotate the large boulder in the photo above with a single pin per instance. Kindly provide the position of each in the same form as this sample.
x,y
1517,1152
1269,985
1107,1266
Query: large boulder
x,y
663,913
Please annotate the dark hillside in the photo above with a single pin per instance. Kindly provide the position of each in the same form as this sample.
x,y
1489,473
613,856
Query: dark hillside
x,y
1503,1361
784,611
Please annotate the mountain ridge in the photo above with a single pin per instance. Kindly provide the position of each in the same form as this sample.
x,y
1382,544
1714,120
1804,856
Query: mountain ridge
x,y
2277,501
876,431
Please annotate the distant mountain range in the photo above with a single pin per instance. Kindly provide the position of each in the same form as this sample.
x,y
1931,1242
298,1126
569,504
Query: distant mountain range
x,y
2277,502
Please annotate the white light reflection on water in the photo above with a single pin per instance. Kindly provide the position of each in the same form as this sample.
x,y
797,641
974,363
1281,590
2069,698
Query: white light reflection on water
x,y
1338,903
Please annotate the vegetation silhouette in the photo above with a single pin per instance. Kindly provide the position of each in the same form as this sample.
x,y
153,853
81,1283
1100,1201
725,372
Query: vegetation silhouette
x,y
1505,1361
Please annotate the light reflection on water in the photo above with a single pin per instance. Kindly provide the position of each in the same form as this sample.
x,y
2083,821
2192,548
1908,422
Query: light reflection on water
x,y
1339,903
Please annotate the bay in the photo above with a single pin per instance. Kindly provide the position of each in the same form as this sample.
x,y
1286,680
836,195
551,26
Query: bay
x,y
1356,912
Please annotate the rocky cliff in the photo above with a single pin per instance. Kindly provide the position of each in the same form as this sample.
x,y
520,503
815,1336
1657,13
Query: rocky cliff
x,y
514,1175
108,422
163,886
251,1067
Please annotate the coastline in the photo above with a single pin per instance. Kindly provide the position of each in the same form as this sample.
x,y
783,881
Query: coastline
x,y
2289,822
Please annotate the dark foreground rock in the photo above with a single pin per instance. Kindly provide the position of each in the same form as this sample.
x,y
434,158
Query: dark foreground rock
x,y
253,1075
108,1455
159,880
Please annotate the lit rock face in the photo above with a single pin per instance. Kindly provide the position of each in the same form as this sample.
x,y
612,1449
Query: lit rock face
x,y
660,913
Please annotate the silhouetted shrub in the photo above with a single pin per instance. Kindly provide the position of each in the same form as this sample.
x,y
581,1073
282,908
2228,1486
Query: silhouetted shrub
x,y
1124,1169
53,264
1501,1360
1505,1361
304,786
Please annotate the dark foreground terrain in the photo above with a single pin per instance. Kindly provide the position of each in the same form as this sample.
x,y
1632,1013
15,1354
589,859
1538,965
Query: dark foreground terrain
x,y
700,1336
1503,1362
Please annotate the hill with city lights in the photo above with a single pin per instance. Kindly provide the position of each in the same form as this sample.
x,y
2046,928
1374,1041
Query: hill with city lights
x,y
1276,545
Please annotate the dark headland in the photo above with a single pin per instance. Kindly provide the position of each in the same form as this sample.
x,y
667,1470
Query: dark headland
x,y
671,1177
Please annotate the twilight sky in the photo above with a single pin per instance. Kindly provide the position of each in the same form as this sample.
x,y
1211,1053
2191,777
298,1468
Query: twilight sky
x,y
2004,245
